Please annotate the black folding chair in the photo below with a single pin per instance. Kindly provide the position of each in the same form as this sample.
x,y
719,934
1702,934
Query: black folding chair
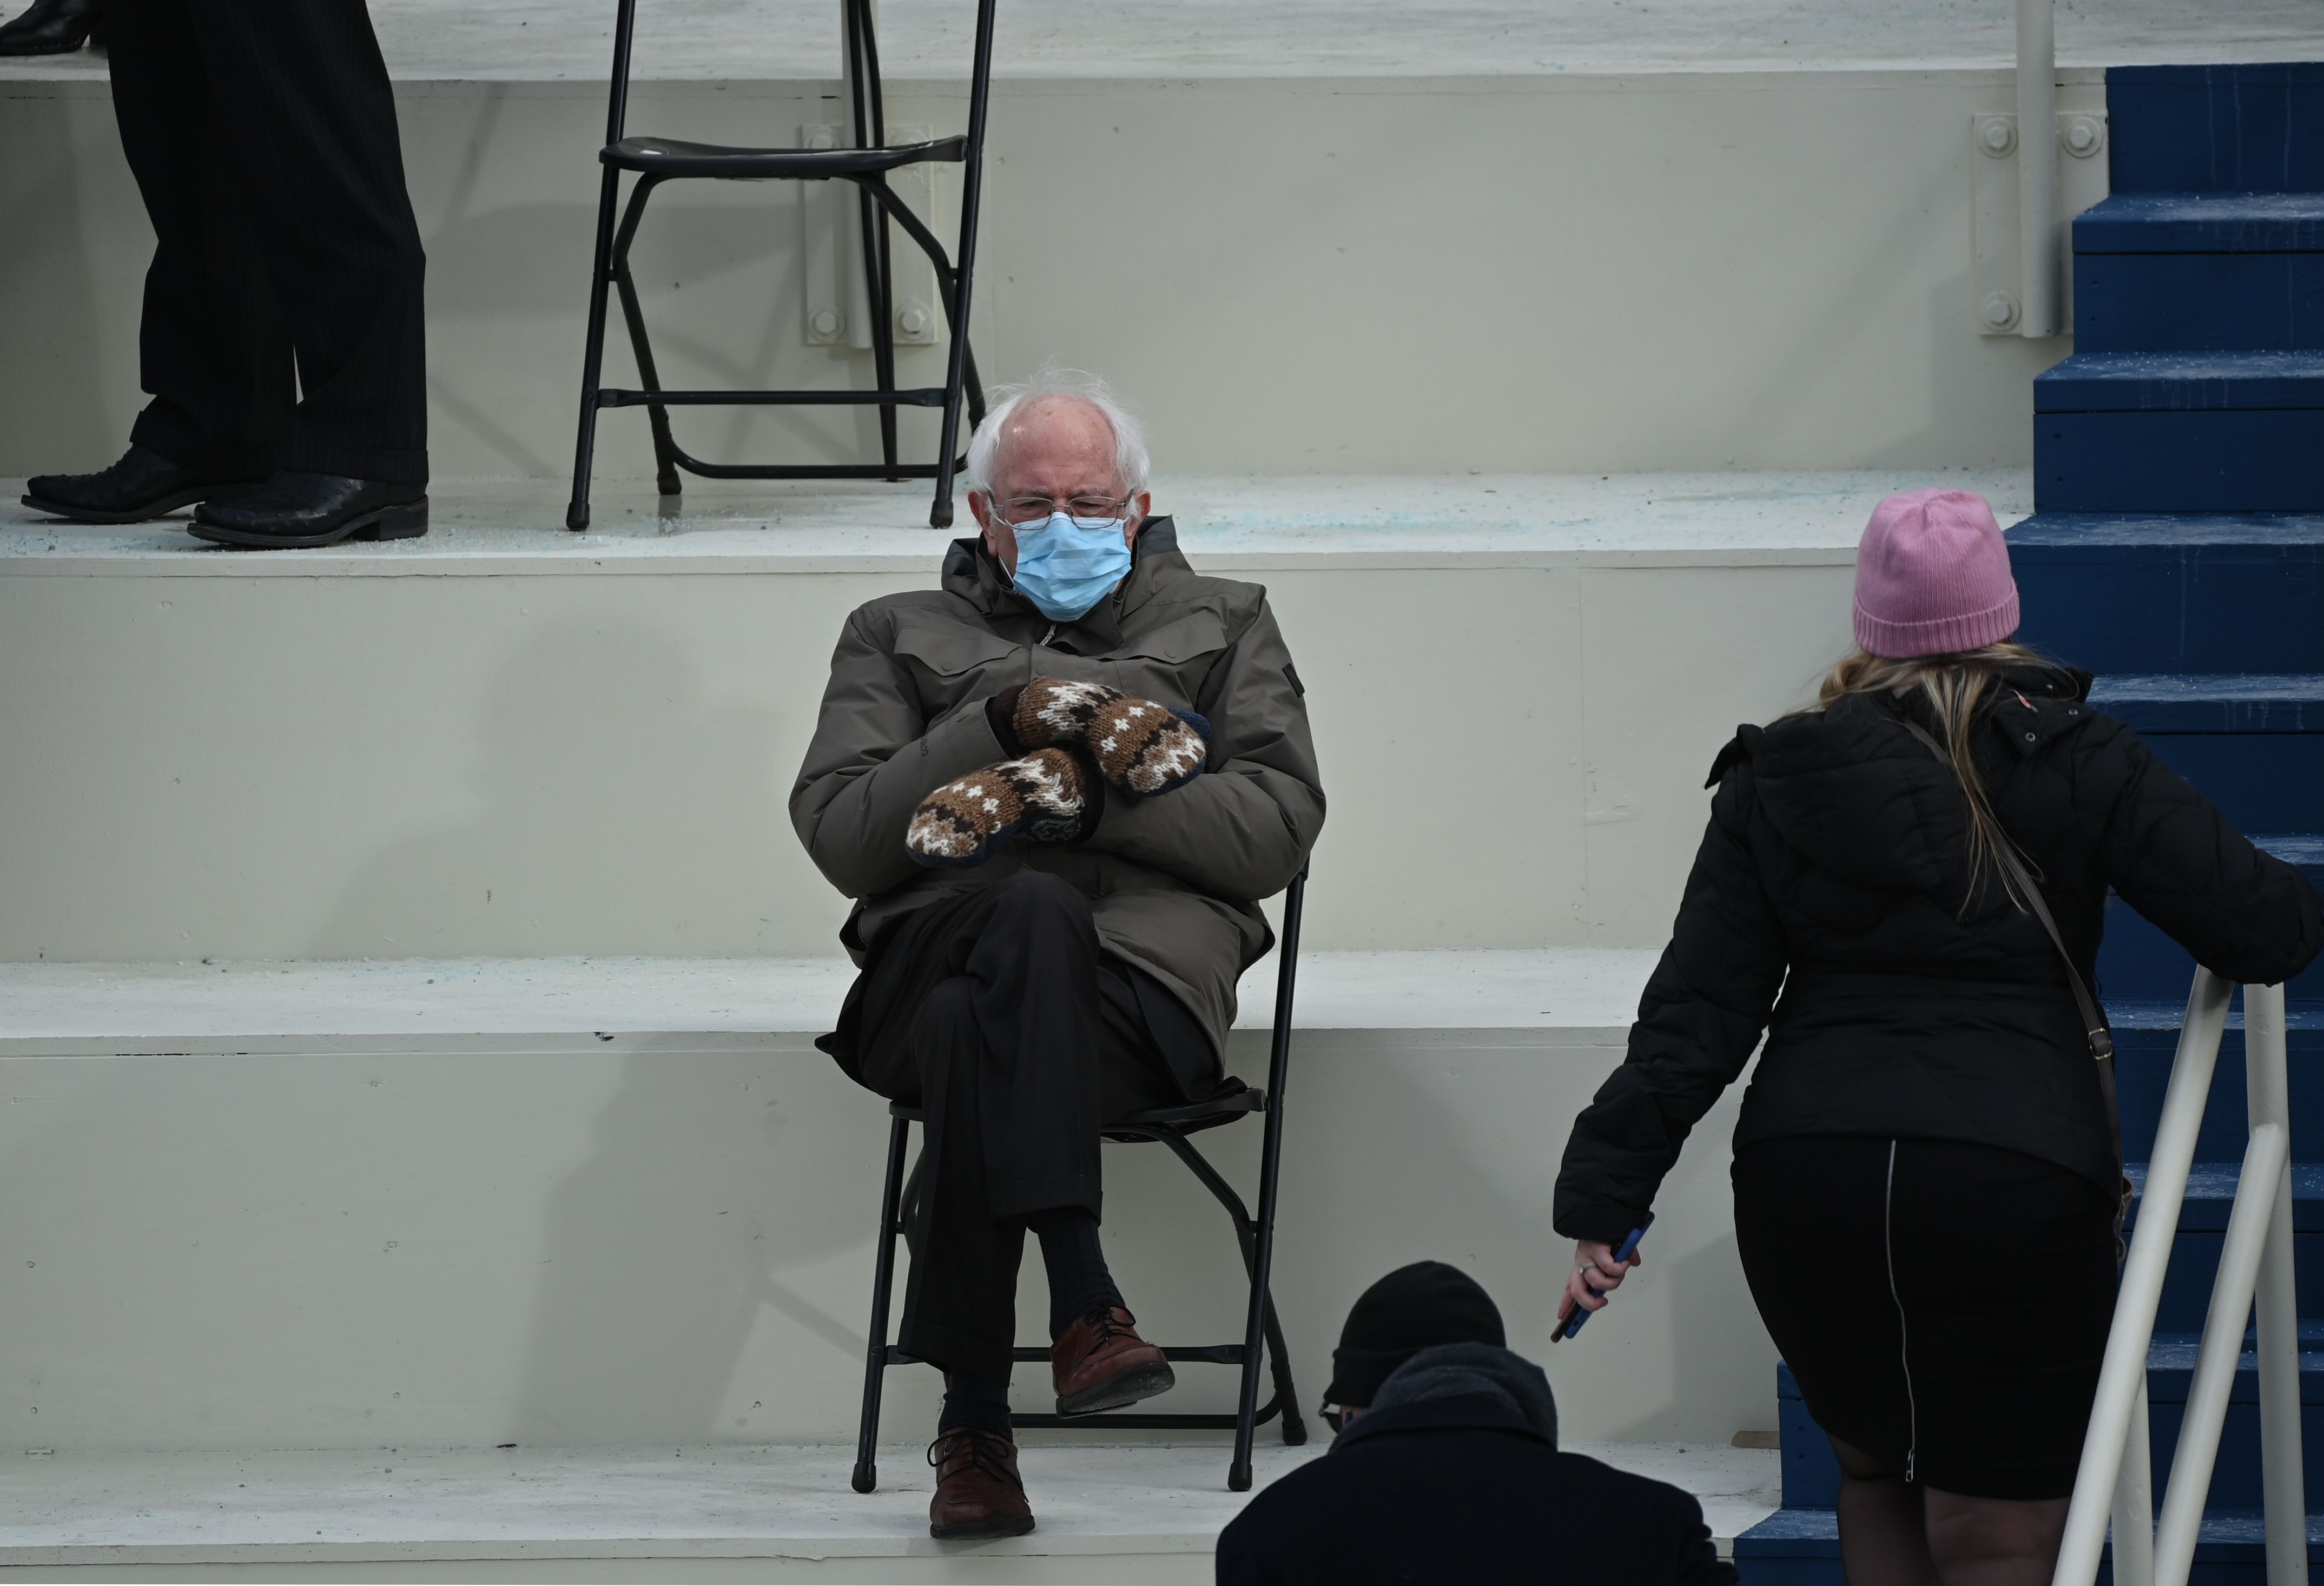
x,y
655,160
1255,1236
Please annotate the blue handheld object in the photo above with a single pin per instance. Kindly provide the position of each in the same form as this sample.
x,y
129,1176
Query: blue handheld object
x,y
1629,1248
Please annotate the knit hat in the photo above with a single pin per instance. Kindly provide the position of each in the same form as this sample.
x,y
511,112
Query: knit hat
x,y
1932,577
1413,1309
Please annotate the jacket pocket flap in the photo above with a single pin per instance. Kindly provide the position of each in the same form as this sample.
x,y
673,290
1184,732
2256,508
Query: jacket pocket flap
x,y
1201,633
950,652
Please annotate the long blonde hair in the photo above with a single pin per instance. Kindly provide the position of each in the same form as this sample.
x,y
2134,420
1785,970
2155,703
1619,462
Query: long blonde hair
x,y
1954,686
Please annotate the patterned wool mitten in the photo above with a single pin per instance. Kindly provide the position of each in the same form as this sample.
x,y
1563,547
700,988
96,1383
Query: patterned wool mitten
x,y
1045,798
1140,747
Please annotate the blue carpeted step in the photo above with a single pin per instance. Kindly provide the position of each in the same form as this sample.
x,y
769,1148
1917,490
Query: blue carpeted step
x,y
2216,128
2204,382
2237,702
2254,744
2137,962
2143,592
2146,1040
2180,432
2236,1478
2202,223
2166,272
1801,1548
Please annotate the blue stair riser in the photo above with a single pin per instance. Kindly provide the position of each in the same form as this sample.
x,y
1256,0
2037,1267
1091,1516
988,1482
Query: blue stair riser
x,y
2258,460
1811,1476
2217,128
2250,604
2235,1480
2137,961
1802,1548
2198,302
2143,1070
2263,781
2195,1266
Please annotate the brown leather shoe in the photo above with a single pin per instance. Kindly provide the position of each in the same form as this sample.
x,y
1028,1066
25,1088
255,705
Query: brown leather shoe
x,y
1102,1364
978,1490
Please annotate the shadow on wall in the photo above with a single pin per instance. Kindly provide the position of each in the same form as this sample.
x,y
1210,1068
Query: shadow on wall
x,y
574,823
711,1181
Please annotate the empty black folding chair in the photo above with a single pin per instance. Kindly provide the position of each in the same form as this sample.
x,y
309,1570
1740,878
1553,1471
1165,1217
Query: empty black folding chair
x,y
655,160
1262,1341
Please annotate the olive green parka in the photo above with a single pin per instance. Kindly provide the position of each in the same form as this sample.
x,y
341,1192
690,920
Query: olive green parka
x,y
1173,882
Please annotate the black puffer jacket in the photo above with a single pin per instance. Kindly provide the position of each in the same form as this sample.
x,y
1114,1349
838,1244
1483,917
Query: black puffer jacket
x,y
1836,867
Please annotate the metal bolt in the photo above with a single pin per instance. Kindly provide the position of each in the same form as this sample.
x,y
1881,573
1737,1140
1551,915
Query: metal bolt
x,y
2000,309
824,322
2084,136
1996,136
913,320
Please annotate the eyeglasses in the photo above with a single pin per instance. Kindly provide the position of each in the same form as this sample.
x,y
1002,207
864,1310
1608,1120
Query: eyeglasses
x,y
1032,509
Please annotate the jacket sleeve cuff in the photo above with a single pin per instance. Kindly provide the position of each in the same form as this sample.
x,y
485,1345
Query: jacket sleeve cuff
x,y
1599,1223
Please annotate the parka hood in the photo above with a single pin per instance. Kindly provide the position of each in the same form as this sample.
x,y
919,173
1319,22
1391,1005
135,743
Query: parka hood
x,y
1853,789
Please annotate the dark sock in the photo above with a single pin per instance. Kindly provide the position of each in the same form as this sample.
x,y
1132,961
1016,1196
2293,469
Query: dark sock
x,y
1078,1280
971,1401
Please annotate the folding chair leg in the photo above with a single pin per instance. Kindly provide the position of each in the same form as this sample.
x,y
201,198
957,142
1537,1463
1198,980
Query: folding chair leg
x,y
883,1267
601,270
1279,1358
633,316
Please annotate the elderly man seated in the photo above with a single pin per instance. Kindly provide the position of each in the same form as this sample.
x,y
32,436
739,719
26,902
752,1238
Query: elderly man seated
x,y
1056,787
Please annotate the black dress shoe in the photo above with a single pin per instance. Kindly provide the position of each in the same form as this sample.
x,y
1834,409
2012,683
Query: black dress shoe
x,y
296,510
53,27
143,485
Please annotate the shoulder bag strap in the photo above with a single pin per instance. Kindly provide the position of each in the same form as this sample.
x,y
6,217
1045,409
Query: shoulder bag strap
x,y
2094,1024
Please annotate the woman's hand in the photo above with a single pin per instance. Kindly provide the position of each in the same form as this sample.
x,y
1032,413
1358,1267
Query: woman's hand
x,y
1595,1275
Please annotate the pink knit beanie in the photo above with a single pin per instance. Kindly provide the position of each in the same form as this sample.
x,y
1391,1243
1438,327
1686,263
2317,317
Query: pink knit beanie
x,y
1932,577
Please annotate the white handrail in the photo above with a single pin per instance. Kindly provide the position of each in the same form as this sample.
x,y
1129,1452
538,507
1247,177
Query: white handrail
x,y
2257,1257
2039,264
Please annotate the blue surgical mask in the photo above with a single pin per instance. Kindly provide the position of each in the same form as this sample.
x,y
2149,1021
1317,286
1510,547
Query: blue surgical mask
x,y
1066,565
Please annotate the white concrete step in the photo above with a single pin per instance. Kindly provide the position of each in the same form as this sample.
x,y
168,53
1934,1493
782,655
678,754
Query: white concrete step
x,y
1105,1512
447,1205
508,740
101,1006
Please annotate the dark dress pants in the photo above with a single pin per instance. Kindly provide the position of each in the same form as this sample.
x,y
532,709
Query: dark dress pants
x,y
283,322
998,1014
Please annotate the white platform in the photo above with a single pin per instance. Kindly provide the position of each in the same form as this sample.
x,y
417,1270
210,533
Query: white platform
x,y
543,40
1231,526
1578,988
1105,1512
455,1204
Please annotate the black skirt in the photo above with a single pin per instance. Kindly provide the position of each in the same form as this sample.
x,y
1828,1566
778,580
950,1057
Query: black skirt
x,y
1943,1305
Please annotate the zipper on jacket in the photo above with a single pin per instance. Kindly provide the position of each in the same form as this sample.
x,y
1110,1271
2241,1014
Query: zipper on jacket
x,y
1904,1338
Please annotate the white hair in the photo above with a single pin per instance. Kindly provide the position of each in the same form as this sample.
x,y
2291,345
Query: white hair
x,y
1129,461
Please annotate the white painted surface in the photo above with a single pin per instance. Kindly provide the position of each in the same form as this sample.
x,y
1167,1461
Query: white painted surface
x,y
343,1241
502,526
1568,988
1094,1502
1677,270
523,763
537,40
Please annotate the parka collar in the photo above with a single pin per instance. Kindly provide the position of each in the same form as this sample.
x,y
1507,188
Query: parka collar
x,y
971,573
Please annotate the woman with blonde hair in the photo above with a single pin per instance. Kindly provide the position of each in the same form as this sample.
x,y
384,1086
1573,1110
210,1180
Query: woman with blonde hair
x,y
1928,1174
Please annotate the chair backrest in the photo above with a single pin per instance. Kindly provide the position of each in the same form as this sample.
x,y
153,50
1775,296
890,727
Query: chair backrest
x,y
868,100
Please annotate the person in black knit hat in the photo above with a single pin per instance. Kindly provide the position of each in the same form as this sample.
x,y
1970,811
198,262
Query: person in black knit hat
x,y
1447,1468
1409,1310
